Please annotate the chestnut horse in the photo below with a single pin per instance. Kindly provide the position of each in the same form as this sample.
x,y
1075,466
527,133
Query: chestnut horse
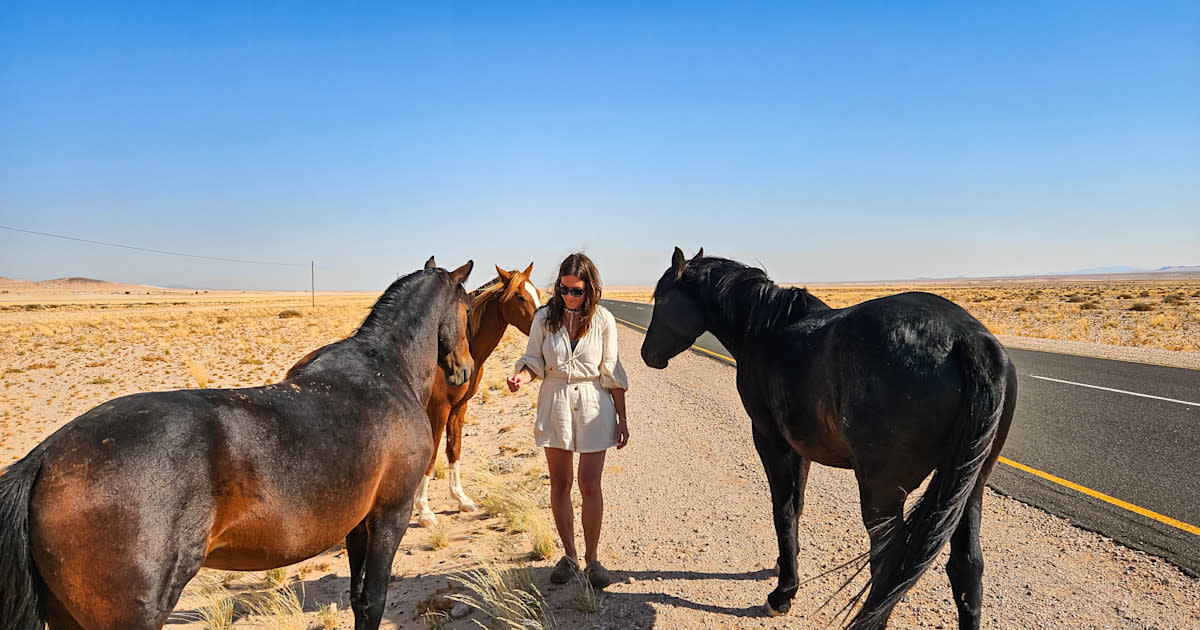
x,y
894,388
509,298
105,521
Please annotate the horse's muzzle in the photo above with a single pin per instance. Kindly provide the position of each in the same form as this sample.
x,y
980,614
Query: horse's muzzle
x,y
653,361
460,373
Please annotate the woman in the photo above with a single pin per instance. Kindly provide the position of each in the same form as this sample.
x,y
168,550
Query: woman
x,y
581,406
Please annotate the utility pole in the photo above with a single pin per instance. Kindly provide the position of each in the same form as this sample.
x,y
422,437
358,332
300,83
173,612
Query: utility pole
x,y
312,277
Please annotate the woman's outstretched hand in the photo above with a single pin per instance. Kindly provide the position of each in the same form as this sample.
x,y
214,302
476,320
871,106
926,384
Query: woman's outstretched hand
x,y
517,380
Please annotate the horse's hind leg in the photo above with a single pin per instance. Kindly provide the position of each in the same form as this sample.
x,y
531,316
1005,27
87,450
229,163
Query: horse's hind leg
x,y
454,428
786,474
965,566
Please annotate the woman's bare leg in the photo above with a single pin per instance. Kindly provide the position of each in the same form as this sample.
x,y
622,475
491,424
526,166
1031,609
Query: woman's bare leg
x,y
591,468
561,464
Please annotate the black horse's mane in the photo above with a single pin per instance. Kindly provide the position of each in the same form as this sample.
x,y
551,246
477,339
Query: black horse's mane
x,y
387,309
747,294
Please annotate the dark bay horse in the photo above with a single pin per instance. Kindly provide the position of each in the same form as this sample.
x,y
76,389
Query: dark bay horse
x,y
508,299
105,521
894,388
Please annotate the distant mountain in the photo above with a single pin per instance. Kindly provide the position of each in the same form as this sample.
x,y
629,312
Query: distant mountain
x,y
1123,269
1099,271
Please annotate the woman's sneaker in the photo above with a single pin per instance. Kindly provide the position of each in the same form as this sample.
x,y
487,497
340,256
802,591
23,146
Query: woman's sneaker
x,y
597,575
564,571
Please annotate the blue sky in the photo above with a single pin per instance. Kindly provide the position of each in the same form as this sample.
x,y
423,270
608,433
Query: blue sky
x,y
825,142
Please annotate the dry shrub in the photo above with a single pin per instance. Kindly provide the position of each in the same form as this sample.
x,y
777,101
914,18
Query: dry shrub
x,y
1141,307
289,313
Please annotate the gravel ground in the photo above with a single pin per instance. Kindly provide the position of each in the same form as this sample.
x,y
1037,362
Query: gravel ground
x,y
689,535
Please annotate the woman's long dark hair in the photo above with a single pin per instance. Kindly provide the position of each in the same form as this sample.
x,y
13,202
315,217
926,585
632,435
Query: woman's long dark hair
x,y
582,267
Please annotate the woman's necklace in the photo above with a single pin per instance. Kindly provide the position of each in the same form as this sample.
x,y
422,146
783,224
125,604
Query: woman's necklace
x,y
571,319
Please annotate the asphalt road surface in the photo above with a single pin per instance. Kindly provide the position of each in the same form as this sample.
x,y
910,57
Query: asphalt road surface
x,y
1110,445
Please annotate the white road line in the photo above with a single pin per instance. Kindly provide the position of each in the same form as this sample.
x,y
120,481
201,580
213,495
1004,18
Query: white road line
x,y
1119,391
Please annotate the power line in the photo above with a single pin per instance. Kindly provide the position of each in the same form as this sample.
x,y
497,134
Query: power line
x,y
153,251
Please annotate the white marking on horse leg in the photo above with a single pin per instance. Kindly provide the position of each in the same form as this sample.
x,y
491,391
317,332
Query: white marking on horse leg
x,y
532,290
427,518
465,504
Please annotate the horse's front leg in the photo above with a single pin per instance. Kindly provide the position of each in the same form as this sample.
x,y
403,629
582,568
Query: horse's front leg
x,y
787,473
383,538
454,428
438,410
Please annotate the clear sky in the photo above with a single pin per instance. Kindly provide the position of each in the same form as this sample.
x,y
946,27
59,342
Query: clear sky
x,y
823,141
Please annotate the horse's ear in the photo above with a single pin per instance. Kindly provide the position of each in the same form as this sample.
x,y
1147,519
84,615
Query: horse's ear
x,y
504,275
677,262
430,264
699,254
528,270
459,276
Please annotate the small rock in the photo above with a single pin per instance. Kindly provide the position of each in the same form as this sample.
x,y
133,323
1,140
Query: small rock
x,y
630,580
460,610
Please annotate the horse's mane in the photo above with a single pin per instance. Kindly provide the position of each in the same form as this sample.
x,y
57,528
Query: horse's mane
x,y
492,290
747,294
383,313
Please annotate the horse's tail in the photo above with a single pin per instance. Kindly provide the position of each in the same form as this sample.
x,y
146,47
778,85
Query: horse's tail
x,y
20,605
911,544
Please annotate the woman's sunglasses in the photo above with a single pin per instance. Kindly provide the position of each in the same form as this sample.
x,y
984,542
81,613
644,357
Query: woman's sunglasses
x,y
573,292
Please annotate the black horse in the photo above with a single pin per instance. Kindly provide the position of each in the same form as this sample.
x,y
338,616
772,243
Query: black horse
x,y
894,388
105,521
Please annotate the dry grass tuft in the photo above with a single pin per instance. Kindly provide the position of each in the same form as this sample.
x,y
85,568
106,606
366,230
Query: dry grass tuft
x,y
280,605
440,538
509,597
587,598
328,616
290,313
275,578
514,502
199,372
214,607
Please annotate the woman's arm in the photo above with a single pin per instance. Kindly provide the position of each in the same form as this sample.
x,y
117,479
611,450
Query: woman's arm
x,y
618,396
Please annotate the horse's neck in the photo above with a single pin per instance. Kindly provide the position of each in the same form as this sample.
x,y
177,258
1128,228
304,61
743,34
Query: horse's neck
x,y
404,333
753,310
489,333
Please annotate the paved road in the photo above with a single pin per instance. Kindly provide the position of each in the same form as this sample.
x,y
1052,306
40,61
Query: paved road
x,y
1113,446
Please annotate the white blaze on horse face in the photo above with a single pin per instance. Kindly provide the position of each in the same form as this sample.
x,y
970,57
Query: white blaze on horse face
x,y
533,294
465,504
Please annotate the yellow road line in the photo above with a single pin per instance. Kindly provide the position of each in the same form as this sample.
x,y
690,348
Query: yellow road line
x,y
1166,520
1187,527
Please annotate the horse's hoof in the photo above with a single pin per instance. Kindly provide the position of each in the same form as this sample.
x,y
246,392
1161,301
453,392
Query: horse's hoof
x,y
771,612
469,506
426,520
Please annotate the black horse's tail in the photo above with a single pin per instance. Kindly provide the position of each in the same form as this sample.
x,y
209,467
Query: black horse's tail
x,y
911,544
20,608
